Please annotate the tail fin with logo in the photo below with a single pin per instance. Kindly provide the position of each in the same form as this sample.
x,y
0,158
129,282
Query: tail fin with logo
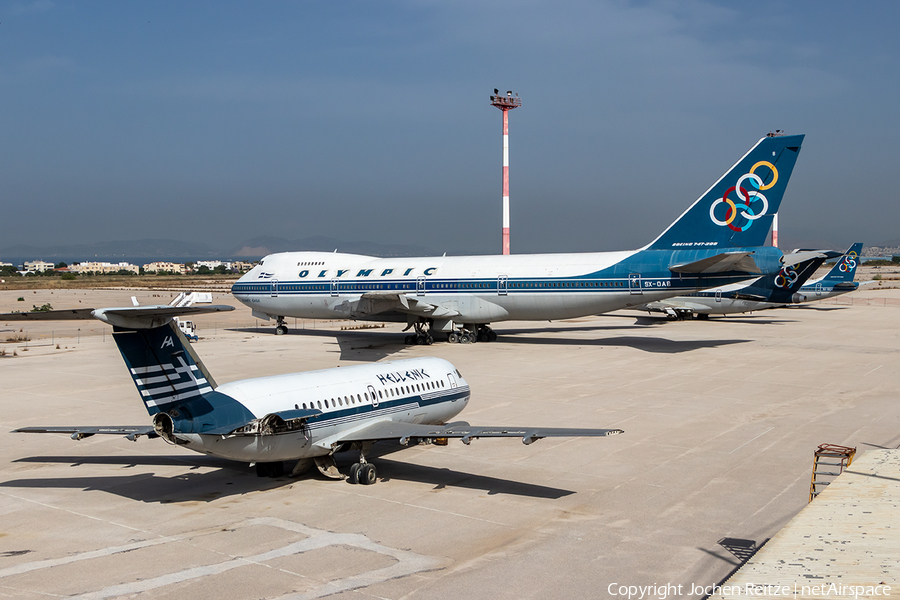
x,y
844,270
737,211
175,386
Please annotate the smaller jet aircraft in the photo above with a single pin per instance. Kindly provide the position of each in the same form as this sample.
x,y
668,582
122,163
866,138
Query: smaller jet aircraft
x,y
302,417
839,280
772,291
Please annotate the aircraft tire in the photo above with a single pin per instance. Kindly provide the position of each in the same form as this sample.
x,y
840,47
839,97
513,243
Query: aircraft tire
x,y
464,338
353,477
492,336
483,336
281,330
453,338
429,340
367,474
409,340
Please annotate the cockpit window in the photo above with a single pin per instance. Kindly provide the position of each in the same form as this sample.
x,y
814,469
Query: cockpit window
x,y
458,374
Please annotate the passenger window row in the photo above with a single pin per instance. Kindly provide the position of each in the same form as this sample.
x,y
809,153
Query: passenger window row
x,y
365,397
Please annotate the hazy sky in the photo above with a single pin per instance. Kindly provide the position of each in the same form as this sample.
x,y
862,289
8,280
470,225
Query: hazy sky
x,y
222,121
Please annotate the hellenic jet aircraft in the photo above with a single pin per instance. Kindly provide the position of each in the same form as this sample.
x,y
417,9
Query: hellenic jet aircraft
x,y
771,291
303,417
716,241
839,280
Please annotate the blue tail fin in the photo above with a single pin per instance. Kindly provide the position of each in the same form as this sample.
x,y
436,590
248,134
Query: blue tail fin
x,y
175,387
737,211
781,286
845,268
163,366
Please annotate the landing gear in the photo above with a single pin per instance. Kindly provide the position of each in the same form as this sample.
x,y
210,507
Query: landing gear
x,y
270,469
421,337
363,472
281,328
472,334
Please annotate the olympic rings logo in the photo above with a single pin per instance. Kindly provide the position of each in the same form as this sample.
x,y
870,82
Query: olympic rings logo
x,y
753,204
786,278
848,263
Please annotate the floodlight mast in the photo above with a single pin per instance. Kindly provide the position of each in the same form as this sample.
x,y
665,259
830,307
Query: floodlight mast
x,y
505,103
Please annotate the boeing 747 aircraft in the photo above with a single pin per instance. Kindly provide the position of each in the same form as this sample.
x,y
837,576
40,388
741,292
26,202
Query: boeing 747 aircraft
x,y
718,240
303,417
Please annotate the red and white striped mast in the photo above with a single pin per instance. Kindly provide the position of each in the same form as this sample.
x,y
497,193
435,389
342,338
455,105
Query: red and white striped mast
x,y
775,230
505,103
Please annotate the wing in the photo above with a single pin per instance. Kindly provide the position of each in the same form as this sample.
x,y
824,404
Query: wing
x,y
720,263
132,432
373,303
404,432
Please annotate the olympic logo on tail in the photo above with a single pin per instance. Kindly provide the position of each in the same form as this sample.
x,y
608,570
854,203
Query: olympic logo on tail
x,y
786,278
753,204
848,263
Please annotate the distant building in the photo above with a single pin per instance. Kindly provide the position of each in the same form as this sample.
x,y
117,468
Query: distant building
x,y
169,267
38,266
241,266
212,264
104,267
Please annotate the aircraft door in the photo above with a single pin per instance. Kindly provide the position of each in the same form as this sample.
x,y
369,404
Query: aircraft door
x,y
819,289
420,285
634,284
452,380
274,288
373,395
718,295
502,287
335,284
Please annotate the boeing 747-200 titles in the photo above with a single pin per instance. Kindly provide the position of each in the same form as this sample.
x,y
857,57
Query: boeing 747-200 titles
x,y
302,417
717,241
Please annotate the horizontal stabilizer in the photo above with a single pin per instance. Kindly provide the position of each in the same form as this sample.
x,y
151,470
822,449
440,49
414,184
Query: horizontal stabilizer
x,y
132,432
390,430
129,317
795,258
720,263
74,314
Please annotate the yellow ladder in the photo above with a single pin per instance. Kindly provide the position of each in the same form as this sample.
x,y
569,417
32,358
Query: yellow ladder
x,y
826,458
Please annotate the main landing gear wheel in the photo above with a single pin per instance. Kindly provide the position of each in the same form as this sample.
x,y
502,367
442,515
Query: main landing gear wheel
x,y
353,476
367,474
453,338
280,328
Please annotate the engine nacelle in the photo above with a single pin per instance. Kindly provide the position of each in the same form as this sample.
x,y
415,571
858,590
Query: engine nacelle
x,y
798,298
164,427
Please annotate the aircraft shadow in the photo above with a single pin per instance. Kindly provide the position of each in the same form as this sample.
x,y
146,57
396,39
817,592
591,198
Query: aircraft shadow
x,y
647,344
369,345
365,345
229,478
233,479
446,478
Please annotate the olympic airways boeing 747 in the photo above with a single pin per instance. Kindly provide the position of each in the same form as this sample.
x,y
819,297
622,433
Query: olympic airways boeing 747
x,y
303,417
717,241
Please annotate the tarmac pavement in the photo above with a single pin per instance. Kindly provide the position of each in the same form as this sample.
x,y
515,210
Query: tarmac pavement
x,y
721,419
